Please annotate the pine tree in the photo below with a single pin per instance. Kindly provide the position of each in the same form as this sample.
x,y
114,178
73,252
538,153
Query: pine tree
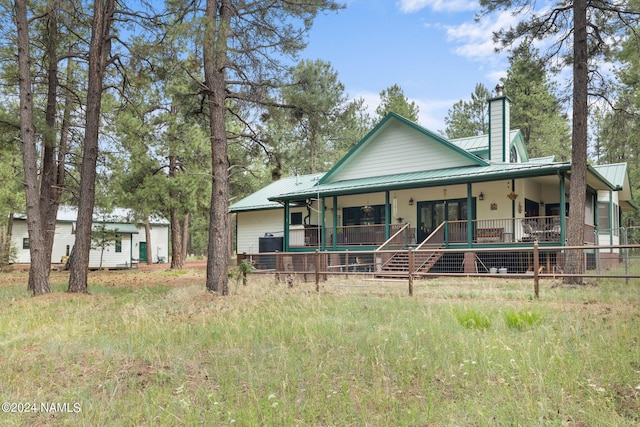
x,y
469,118
319,124
264,31
582,33
393,100
536,110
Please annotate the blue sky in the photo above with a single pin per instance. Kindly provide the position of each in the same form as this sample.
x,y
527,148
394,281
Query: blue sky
x,y
433,49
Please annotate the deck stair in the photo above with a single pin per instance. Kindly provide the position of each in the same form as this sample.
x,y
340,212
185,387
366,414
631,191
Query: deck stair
x,y
425,255
398,265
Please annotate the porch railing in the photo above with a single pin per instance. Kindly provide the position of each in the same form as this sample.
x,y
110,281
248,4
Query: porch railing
x,y
506,230
347,235
544,229
361,235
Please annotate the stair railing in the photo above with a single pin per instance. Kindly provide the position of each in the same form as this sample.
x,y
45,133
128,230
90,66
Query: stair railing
x,y
400,238
435,239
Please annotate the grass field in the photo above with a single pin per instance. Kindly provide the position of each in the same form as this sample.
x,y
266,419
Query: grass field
x,y
154,349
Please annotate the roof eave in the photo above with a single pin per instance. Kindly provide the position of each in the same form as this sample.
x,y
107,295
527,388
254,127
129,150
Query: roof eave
x,y
402,185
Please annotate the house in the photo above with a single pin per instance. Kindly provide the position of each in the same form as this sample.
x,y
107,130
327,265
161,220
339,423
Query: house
x,y
405,186
129,246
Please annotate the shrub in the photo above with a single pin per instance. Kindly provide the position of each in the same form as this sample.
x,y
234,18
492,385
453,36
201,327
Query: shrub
x,y
240,272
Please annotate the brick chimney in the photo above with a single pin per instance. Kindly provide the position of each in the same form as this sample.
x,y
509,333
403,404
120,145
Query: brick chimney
x,y
499,126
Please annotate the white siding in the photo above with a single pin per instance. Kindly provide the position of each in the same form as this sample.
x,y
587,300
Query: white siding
x,y
398,148
111,258
61,240
253,225
64,240
19,233
499,129
159,242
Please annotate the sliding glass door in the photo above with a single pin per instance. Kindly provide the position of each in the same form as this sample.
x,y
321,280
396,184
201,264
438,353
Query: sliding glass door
x,y
433,213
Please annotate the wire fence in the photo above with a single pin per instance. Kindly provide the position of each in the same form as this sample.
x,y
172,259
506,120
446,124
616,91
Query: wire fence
x,y
620,261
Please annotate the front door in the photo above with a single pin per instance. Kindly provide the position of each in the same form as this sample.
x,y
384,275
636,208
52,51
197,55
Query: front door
x,y
143,252
430,216
531,208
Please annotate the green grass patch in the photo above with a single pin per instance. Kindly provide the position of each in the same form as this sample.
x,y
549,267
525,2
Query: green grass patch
x,y
472,319
521,319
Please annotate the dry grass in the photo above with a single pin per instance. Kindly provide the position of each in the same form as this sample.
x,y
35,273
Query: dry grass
x,y
154,348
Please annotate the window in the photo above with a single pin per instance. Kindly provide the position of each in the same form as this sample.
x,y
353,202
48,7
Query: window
x,y
513,155
118,242
363,215
604,219
296,218
615,220
25,243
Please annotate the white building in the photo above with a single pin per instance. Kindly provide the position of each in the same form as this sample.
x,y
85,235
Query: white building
x,y
130,245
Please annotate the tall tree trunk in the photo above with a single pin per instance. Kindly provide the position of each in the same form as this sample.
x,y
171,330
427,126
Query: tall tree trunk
x,y
218,18
577,193
57,172
147,236
98,54
52,178
10,225
177,261
40,264
185,237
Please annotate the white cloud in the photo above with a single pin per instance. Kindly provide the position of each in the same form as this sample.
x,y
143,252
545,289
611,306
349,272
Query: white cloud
x,y
475,38
432,113
496,75
371,101
410,6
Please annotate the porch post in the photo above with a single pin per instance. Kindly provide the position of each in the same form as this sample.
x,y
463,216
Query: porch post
x,y
285,234
513,202
611,212
322,241
563,211
387,215
335,222
469,216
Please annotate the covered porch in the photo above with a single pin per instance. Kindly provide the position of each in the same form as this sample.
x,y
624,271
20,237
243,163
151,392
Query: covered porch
x,y
498,212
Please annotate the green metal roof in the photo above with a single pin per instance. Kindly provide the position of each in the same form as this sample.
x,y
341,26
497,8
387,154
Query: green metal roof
x,y
616,174
479,145
473,144
292,189
547,159
116,227
429,178
261,199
